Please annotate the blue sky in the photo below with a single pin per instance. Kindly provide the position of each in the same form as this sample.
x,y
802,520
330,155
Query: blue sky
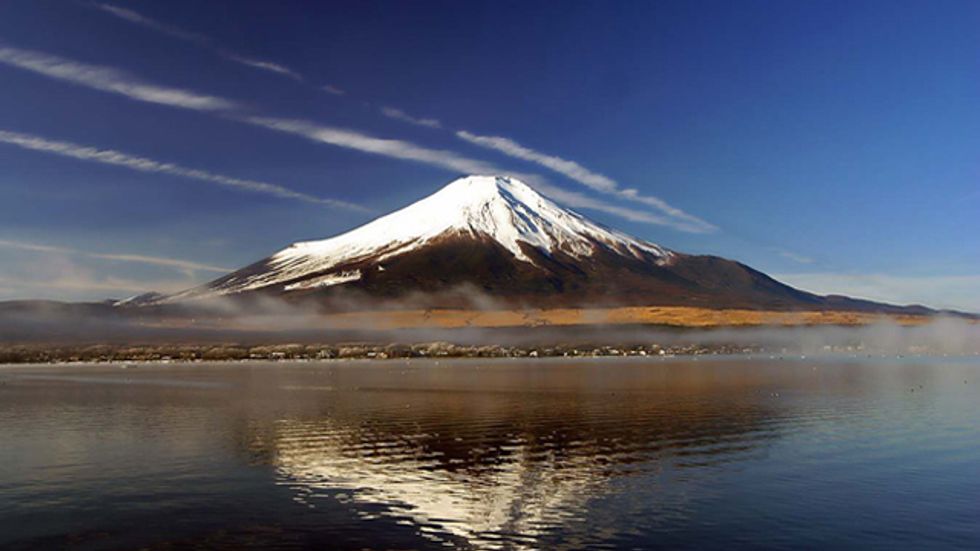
x,y
151,145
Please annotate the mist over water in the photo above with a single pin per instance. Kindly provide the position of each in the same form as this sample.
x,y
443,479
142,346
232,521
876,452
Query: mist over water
x,y
943,336
695,453
274,321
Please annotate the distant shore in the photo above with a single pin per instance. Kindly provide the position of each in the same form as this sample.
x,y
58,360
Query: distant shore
x,y
102,353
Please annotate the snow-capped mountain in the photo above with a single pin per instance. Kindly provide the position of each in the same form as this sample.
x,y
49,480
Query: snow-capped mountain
x,y
500,209
496,237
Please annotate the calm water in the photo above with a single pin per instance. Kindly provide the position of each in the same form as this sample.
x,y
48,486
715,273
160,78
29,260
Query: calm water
x,y
493,454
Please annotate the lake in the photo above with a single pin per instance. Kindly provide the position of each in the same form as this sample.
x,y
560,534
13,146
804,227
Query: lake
x,y
707,453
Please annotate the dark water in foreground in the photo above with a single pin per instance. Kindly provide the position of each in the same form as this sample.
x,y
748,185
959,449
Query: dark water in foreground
x,y
483,454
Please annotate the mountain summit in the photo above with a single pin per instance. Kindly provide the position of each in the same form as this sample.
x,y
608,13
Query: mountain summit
x,y
486,209
496,236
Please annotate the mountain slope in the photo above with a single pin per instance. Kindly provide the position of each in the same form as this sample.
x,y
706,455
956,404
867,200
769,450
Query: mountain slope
x,y
488,237
482,208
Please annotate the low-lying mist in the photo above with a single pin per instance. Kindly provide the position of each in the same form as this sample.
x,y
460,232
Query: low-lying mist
x,y
273,321
944,335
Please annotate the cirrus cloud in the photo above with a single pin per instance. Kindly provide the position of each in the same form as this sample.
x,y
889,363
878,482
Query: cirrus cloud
x,y
199,39
119,82
143,164
183,265
586,177
111,80
400,115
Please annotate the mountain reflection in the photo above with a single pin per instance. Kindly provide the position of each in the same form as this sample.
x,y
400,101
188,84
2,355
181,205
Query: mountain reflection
x,y
507,456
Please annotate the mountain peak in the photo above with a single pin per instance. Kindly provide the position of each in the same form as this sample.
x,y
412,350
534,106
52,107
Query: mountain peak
x,y
469,194
501,209
484,184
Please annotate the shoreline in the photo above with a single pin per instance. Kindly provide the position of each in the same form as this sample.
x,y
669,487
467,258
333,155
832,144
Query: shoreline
x,y
206,353
436,351
763,356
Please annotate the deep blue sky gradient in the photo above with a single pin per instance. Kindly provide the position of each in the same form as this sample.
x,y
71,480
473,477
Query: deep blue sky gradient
x,y
845,134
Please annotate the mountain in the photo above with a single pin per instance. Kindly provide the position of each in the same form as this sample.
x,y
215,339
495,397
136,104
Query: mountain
x,y
495,238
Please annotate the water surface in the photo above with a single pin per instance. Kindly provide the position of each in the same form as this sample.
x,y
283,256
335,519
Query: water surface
x,y
503,453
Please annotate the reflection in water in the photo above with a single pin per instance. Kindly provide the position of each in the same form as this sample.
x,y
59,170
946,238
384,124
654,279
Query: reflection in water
x,y
492,454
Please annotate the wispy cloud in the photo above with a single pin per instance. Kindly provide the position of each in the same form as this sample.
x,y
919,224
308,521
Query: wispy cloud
x,y
140,19
400,115
408,151
85,286
685,220
799,258
941,291
264,65
593,180
578,200
66,273
199,39
111,80
398,149
157,261
143,164
183,265
332,90
571,169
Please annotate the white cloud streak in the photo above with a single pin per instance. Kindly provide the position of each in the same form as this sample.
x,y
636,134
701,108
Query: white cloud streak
x,y
577,200
350,139
400,115
263,65
571,169
799,258
110,80
63,273
68,287
140,19
158,261
408,151
199,39
586,177
332,90
142,164
184,265
951,292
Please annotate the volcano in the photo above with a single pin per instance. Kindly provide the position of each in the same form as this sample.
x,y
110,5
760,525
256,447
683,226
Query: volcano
x,y
495,237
